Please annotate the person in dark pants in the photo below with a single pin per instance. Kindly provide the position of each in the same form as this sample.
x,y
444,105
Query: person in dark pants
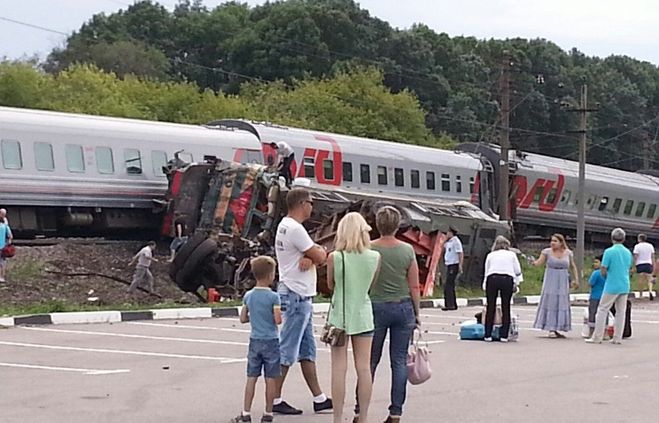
x,y
285,155
502,274
453,259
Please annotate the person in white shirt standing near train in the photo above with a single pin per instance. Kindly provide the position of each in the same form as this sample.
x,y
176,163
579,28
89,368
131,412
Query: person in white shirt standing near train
x,y
644,261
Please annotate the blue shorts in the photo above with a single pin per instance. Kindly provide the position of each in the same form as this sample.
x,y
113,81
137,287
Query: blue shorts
x,y
644,268
297,342
263,354
177,242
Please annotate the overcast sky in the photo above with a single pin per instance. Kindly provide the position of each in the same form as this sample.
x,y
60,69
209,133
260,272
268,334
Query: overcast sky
x,y
595,27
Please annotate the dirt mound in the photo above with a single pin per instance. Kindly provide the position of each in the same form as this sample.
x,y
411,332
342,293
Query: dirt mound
x,y
38,275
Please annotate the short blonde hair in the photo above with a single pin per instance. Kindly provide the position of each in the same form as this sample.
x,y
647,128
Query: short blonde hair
x,y
387,220
500,243
352,235
262,266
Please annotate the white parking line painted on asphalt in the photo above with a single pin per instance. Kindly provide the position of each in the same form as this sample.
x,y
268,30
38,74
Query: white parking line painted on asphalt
x,y
222,360
172,325
92,372
135,336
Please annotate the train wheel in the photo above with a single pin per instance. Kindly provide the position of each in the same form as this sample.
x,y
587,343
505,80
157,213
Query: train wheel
x,y
184,252
189,277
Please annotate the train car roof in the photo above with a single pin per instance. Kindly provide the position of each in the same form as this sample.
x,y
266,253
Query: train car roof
x,y
358,145
129,128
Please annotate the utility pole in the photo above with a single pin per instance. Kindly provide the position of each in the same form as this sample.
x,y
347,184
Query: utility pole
x,y
647,151
583,111
505,136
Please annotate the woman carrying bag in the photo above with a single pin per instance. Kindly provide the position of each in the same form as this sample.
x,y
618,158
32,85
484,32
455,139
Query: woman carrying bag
x,y
351,269
502,275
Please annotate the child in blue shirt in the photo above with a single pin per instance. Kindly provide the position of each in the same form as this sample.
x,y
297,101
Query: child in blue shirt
x,y
596,283
261,307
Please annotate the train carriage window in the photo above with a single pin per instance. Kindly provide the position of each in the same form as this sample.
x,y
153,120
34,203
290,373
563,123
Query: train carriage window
x,y
133,161
365,173
458,183
616,205
382,175
158,161
566,196
651,210
347,171
629,205
104,160
11,154
603,203
414,178
538,194
309,167
328,169
43,156
551,197
640,209
446,182
430,180
399,177
471,185
75,159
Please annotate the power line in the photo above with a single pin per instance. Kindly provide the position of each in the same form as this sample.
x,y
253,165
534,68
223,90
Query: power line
x,y
33,26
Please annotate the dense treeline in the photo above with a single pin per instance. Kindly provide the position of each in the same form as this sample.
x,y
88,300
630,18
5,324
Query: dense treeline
x,y
312,48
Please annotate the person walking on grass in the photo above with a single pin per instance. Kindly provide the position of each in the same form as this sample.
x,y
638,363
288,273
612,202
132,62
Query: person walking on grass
x,y
351,269
298,257
554,313
617,264
142,272
261,308
6,238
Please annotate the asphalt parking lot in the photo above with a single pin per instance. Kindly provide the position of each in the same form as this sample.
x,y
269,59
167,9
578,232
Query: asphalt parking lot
x,y
193,371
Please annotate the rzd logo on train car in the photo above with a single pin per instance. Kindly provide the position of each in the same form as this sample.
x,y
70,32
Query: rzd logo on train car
x,y
545,192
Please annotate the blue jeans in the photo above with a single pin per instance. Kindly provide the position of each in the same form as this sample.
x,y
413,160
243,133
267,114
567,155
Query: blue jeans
x,y
263,354
398,318
296,339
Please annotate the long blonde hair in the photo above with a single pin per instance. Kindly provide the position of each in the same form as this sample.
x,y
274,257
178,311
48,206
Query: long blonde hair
x,y
352,234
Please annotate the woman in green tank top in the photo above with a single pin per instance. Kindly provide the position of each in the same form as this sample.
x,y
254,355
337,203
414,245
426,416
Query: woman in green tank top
x,y
351,269
395,296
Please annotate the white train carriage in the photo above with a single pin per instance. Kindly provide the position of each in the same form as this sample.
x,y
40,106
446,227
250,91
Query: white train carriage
x,y
547,196
376,166
64,170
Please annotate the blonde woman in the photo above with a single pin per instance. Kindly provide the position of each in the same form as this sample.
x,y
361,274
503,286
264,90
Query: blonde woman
x,y
351,269
554,309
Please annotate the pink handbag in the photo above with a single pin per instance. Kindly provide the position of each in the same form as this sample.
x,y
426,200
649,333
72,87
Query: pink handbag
x,y
418,362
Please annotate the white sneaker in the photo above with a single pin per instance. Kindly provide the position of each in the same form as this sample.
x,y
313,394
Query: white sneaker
x,y
615,342
487,339
592,341
503,340
2,280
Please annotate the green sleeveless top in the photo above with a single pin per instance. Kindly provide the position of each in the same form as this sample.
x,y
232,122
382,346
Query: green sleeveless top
x,y
359,271
391,284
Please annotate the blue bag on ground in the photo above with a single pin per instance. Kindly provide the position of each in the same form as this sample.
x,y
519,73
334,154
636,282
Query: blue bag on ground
x,y
472,330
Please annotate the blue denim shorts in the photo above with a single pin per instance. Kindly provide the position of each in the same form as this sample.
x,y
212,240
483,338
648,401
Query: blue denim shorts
x,y
263,354
297,342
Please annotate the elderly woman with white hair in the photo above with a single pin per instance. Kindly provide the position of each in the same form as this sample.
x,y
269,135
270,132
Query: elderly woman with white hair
x,y
502,275
616,266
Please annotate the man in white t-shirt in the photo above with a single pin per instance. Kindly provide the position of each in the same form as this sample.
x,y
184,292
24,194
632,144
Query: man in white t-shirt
x,y
285,157
298,257
644,261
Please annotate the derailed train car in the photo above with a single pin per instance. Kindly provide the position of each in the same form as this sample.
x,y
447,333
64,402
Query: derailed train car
x,y
232,211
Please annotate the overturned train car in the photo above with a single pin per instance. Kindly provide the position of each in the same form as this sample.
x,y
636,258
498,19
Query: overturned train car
x,y
232,211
